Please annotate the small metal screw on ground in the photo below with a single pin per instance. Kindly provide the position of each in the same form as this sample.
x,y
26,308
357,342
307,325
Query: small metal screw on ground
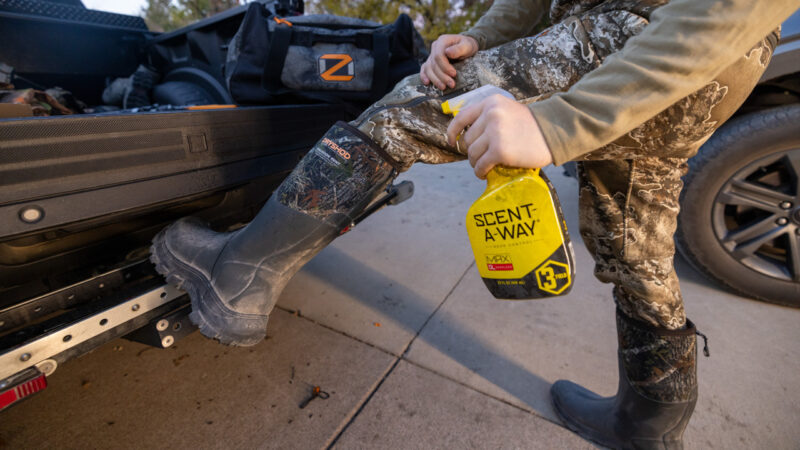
x,y
782,221
25,357
316,392
786,205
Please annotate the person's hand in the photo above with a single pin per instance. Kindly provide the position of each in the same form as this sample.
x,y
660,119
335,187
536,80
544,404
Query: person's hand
x,y
501,132
447,47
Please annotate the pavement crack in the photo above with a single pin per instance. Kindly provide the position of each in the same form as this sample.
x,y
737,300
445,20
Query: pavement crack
x,y
438,307
337,331
394,364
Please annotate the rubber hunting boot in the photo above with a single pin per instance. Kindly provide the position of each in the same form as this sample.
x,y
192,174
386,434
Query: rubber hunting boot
x,y
234,278
656,395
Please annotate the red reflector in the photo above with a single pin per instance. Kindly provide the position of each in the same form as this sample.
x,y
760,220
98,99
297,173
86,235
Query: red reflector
x,y
20,391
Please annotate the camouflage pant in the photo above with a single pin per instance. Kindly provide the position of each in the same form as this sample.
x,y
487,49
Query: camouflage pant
x,y
628,189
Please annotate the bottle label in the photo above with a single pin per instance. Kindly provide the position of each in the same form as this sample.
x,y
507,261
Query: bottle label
x,y
519,238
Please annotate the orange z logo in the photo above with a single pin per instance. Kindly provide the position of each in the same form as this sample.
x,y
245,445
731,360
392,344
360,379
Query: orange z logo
x,y
327,73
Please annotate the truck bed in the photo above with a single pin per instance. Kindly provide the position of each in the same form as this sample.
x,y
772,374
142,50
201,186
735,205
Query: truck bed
x,y
82,196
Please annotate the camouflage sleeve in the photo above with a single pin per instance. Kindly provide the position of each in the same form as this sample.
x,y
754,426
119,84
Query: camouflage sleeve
x,y
507,20
686,45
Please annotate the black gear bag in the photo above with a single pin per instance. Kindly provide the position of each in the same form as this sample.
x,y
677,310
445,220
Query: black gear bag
x,y
319,58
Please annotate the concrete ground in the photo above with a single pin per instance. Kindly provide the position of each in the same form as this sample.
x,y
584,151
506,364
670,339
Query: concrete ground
x,y
394,323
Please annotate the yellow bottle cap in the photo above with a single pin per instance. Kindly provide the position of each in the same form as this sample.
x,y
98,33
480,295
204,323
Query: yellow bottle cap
x,y
446,108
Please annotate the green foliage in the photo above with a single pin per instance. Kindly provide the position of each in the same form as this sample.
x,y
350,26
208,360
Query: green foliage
x,y
167,15
431,17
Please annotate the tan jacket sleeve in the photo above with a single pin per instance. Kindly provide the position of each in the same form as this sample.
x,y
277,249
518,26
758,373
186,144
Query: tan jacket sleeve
x,y
687,44
507,20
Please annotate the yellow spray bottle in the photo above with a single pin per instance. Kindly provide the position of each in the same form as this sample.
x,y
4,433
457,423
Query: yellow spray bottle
x,y
516,228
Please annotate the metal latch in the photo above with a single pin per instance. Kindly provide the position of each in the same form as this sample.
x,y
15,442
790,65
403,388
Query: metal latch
x,y
395,194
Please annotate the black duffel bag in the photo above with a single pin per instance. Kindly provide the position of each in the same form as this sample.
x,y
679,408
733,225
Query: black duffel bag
x,y
317,58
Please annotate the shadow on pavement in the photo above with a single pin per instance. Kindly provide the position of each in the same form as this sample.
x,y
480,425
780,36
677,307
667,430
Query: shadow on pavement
x,y
467,349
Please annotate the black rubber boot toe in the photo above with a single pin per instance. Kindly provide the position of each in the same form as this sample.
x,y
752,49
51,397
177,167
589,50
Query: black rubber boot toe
x,y
185,254
566,395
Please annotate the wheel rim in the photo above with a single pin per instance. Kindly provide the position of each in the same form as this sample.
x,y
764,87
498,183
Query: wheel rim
x,y
756,216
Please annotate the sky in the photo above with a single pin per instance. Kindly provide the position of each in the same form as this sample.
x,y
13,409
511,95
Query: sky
x,y
131,7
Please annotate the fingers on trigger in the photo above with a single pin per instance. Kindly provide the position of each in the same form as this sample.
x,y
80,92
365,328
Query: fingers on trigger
x,y
477,149
474,130
484,164
456,127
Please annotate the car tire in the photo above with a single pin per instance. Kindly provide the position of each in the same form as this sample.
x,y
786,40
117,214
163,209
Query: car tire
x,y
181,93
740,218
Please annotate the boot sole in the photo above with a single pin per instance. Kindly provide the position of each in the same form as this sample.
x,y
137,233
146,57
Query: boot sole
x,y
214,320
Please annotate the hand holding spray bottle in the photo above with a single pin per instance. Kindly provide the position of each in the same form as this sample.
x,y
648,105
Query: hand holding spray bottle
x,y
516,228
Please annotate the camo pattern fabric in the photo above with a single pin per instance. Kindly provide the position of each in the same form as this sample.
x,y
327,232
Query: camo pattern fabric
x,y
409,124
660,365
629,203
628,215
678,131
337,177
560,9
629,188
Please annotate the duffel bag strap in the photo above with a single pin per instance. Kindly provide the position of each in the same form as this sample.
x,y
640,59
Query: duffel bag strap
x,y
276,57
380,72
